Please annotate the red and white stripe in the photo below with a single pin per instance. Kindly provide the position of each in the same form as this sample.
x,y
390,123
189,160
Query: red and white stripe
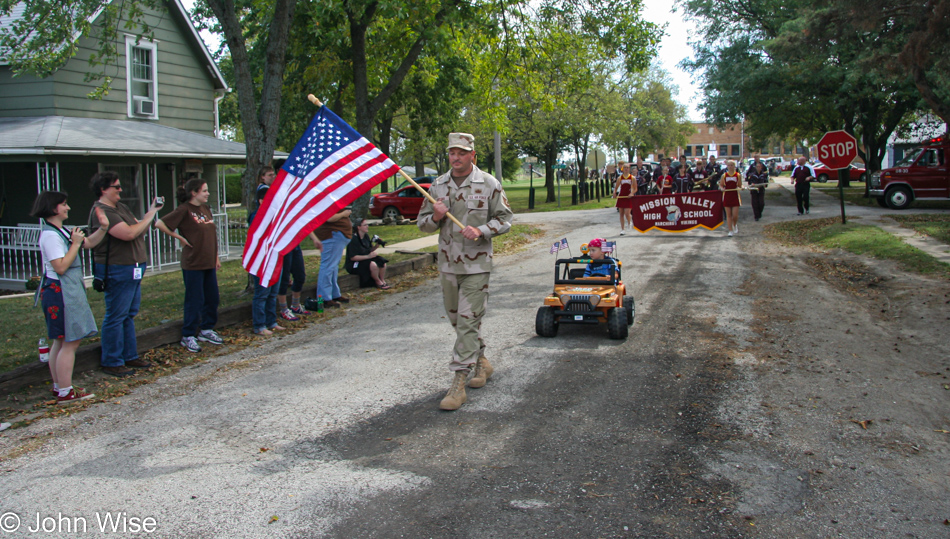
x,y
294,206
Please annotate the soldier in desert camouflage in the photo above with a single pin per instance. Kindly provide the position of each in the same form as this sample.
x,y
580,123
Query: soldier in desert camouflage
x,y
476,199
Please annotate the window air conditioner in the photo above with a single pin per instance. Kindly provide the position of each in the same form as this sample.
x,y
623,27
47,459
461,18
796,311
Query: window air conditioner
x,y
144,107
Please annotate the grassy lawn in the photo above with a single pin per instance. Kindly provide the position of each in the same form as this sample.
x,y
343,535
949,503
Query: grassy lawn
x,y
162,298
163,295
829,233
855,195
517,192
937,226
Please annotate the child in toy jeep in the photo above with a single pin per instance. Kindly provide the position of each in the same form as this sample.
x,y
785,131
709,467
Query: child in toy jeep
x,y
587,290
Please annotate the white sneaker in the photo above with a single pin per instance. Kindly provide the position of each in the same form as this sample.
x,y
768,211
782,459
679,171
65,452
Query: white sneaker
x,y
622,232
729,234
211,336
191,344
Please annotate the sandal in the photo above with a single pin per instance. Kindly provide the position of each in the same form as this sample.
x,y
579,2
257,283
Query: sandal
x,y
383,286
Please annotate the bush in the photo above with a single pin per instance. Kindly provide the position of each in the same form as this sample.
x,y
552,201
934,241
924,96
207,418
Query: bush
x,y
232,188
33,283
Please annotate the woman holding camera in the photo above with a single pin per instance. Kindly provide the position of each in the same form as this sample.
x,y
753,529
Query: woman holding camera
x,y
120,263
362,260
68,316
199,262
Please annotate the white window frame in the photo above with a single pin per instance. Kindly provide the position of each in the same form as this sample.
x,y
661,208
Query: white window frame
x,y
152,47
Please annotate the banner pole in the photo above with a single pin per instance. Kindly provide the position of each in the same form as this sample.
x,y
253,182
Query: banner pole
x,y
313,99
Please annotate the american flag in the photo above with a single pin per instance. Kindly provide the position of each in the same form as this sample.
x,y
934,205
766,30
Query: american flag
x,y
609,246
331,166
558,245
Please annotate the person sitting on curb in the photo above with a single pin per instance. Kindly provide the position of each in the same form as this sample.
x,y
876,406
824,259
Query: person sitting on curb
x,y
362,260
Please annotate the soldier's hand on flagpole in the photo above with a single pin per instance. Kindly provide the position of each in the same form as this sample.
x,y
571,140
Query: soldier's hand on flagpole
x,y
471,233
439,210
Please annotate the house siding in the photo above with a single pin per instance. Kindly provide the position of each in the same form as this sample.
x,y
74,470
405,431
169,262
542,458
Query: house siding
x,y
185,93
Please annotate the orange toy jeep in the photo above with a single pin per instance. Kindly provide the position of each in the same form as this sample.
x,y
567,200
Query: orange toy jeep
x,y
586,300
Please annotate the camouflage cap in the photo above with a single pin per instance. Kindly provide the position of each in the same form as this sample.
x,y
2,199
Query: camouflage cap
x,y
464,141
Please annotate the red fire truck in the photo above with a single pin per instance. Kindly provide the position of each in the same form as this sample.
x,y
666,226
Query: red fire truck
x,y
922,173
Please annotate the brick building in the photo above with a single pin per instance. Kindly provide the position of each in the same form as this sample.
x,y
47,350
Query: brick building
x,y
730,142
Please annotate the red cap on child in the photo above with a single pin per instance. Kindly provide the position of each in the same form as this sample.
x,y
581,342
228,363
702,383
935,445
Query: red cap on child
x,y
596,242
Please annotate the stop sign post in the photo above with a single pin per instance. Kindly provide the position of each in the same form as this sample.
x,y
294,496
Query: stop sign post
x,y
837,149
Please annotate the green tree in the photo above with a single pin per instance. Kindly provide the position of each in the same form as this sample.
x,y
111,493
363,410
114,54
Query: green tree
x,y
565,52
43,38
646,116
794,68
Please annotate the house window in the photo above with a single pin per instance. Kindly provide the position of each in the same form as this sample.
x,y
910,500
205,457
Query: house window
x,y
722,150
141,78
699,151
735,150
711,130
688,152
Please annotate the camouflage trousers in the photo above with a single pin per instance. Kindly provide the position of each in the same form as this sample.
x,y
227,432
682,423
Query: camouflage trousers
x,y
466,300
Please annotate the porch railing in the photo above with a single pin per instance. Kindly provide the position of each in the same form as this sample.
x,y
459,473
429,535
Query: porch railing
x,y
20,257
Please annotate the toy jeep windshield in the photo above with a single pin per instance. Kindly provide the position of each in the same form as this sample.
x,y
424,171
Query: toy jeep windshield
x,y
586,300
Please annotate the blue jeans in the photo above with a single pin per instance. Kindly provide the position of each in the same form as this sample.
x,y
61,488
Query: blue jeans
x,y
293,266
333,247
201,301
122,296
264,305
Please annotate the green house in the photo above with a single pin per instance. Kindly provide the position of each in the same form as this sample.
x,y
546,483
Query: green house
x,y
157,127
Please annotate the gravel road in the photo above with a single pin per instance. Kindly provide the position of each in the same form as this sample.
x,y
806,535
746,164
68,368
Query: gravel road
x,y
737,407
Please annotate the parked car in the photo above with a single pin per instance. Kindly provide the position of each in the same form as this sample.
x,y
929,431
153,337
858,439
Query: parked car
x,y
774,164
825,174
921,174
420,180
404,201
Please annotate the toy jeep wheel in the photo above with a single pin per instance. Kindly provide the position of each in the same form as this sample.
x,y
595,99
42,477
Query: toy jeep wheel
x,y
617,323
631,308
544,324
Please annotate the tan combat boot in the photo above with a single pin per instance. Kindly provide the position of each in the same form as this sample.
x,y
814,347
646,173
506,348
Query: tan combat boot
x,y
455,397
483,372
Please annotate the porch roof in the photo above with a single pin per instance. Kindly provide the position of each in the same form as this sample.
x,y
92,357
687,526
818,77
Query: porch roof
x,y
68,136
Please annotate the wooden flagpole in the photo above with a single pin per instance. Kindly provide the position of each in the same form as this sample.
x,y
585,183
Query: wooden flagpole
x,y
313,99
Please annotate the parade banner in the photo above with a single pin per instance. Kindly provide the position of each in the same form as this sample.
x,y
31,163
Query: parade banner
x,y
678,213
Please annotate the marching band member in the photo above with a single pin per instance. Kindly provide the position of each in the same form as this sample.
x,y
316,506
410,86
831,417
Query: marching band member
x,y
699,175
623,192
665,182
713,172
730,183
643,174
758,176
683,181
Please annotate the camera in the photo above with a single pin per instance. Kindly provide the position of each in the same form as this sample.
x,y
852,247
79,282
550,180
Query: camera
x,y
378,241
98,285
159,201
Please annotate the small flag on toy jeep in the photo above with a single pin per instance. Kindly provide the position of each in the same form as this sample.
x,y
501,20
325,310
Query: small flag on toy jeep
x,y
609,246
558,245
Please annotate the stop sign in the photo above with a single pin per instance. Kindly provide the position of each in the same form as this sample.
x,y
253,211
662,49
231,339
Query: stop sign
x,y
837,149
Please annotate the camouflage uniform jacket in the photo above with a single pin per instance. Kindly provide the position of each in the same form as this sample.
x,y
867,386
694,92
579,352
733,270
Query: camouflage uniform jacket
x,y
480,202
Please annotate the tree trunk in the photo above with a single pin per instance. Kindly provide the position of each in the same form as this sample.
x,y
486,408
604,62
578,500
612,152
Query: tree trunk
x,y
385,125
550,159
366,108
259,123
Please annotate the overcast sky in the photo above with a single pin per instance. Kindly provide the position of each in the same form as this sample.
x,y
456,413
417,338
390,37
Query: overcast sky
x,y
673,49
